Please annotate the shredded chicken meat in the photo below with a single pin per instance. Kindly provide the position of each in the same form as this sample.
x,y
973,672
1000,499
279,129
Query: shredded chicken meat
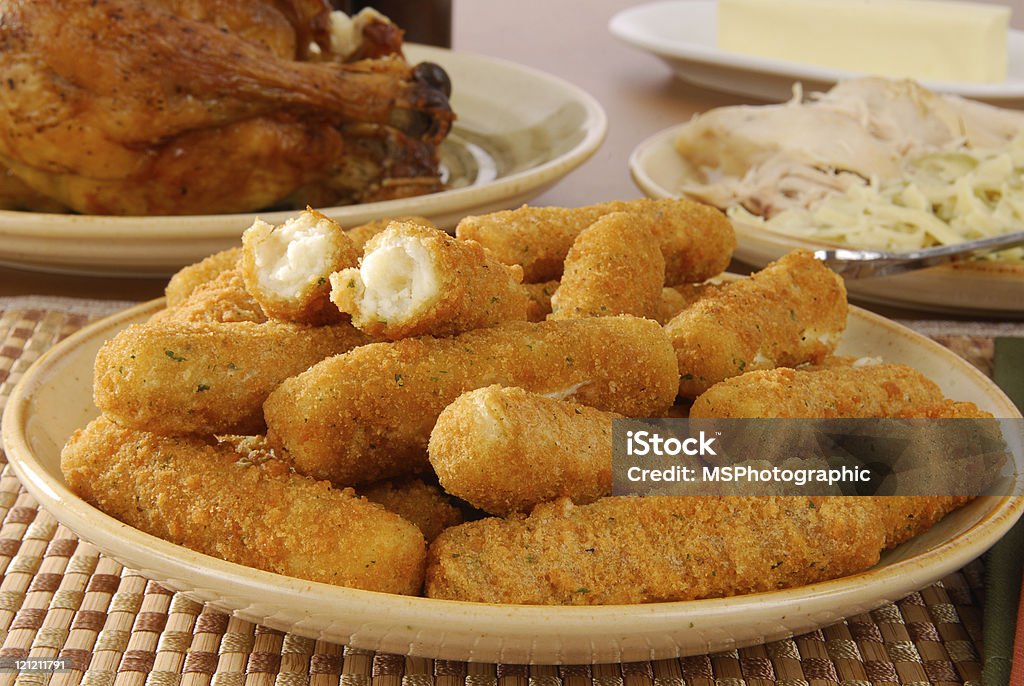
x,y
771,158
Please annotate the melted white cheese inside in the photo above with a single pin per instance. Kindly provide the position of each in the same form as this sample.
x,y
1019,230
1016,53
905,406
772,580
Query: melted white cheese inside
x,y
398,279
291,255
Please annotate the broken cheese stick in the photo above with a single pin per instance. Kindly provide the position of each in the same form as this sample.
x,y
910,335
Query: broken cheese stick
x,y
287,267
414,280
187,279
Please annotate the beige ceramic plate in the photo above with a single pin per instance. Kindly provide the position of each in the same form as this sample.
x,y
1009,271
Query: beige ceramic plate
x,y
518,132
54,398
982,288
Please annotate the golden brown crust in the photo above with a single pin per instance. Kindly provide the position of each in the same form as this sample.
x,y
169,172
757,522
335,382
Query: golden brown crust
x,y
201,494
904,517
652,549
189,278
791,312
423,504
538,238
540,299
504,450
883,390
222,299
367,414
673,299
614,267
696,240
838,362
172,378
364,232
630,550
946,409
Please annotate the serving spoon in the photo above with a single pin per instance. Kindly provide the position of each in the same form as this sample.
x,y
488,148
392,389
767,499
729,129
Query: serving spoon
x,y
864,264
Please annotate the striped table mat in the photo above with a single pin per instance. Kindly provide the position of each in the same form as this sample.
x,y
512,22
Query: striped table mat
x,y
60,598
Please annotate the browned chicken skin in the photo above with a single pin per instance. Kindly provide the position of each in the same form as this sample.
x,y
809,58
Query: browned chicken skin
x,y
203,106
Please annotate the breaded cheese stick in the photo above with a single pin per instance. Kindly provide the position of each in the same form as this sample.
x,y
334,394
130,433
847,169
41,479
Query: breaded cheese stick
x,y
172,379
908,516
540,299
364,232
187,279
615,266
947,409
537,238
791,312
673,299
222,299
423,504
367,414
202,495
696,240
415,280
287,267
880,390
652,549
504,450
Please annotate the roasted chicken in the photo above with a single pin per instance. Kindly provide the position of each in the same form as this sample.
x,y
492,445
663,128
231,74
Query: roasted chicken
x,y
209,106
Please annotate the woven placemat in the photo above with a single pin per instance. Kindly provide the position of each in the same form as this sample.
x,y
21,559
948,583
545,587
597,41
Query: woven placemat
x,y
61,599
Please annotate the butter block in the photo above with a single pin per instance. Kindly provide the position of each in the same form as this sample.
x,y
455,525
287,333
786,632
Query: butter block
x,y
942,40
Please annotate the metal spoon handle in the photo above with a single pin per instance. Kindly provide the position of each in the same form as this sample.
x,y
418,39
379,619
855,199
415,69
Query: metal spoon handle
x,y
863,264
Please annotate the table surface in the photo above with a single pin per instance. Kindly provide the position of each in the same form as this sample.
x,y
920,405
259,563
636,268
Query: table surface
x,y
567,38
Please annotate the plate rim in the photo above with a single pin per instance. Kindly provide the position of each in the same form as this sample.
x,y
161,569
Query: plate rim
x,y
16,223
900,577
624,25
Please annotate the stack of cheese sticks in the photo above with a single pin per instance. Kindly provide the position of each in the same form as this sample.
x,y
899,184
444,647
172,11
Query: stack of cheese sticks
x,y
397,409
